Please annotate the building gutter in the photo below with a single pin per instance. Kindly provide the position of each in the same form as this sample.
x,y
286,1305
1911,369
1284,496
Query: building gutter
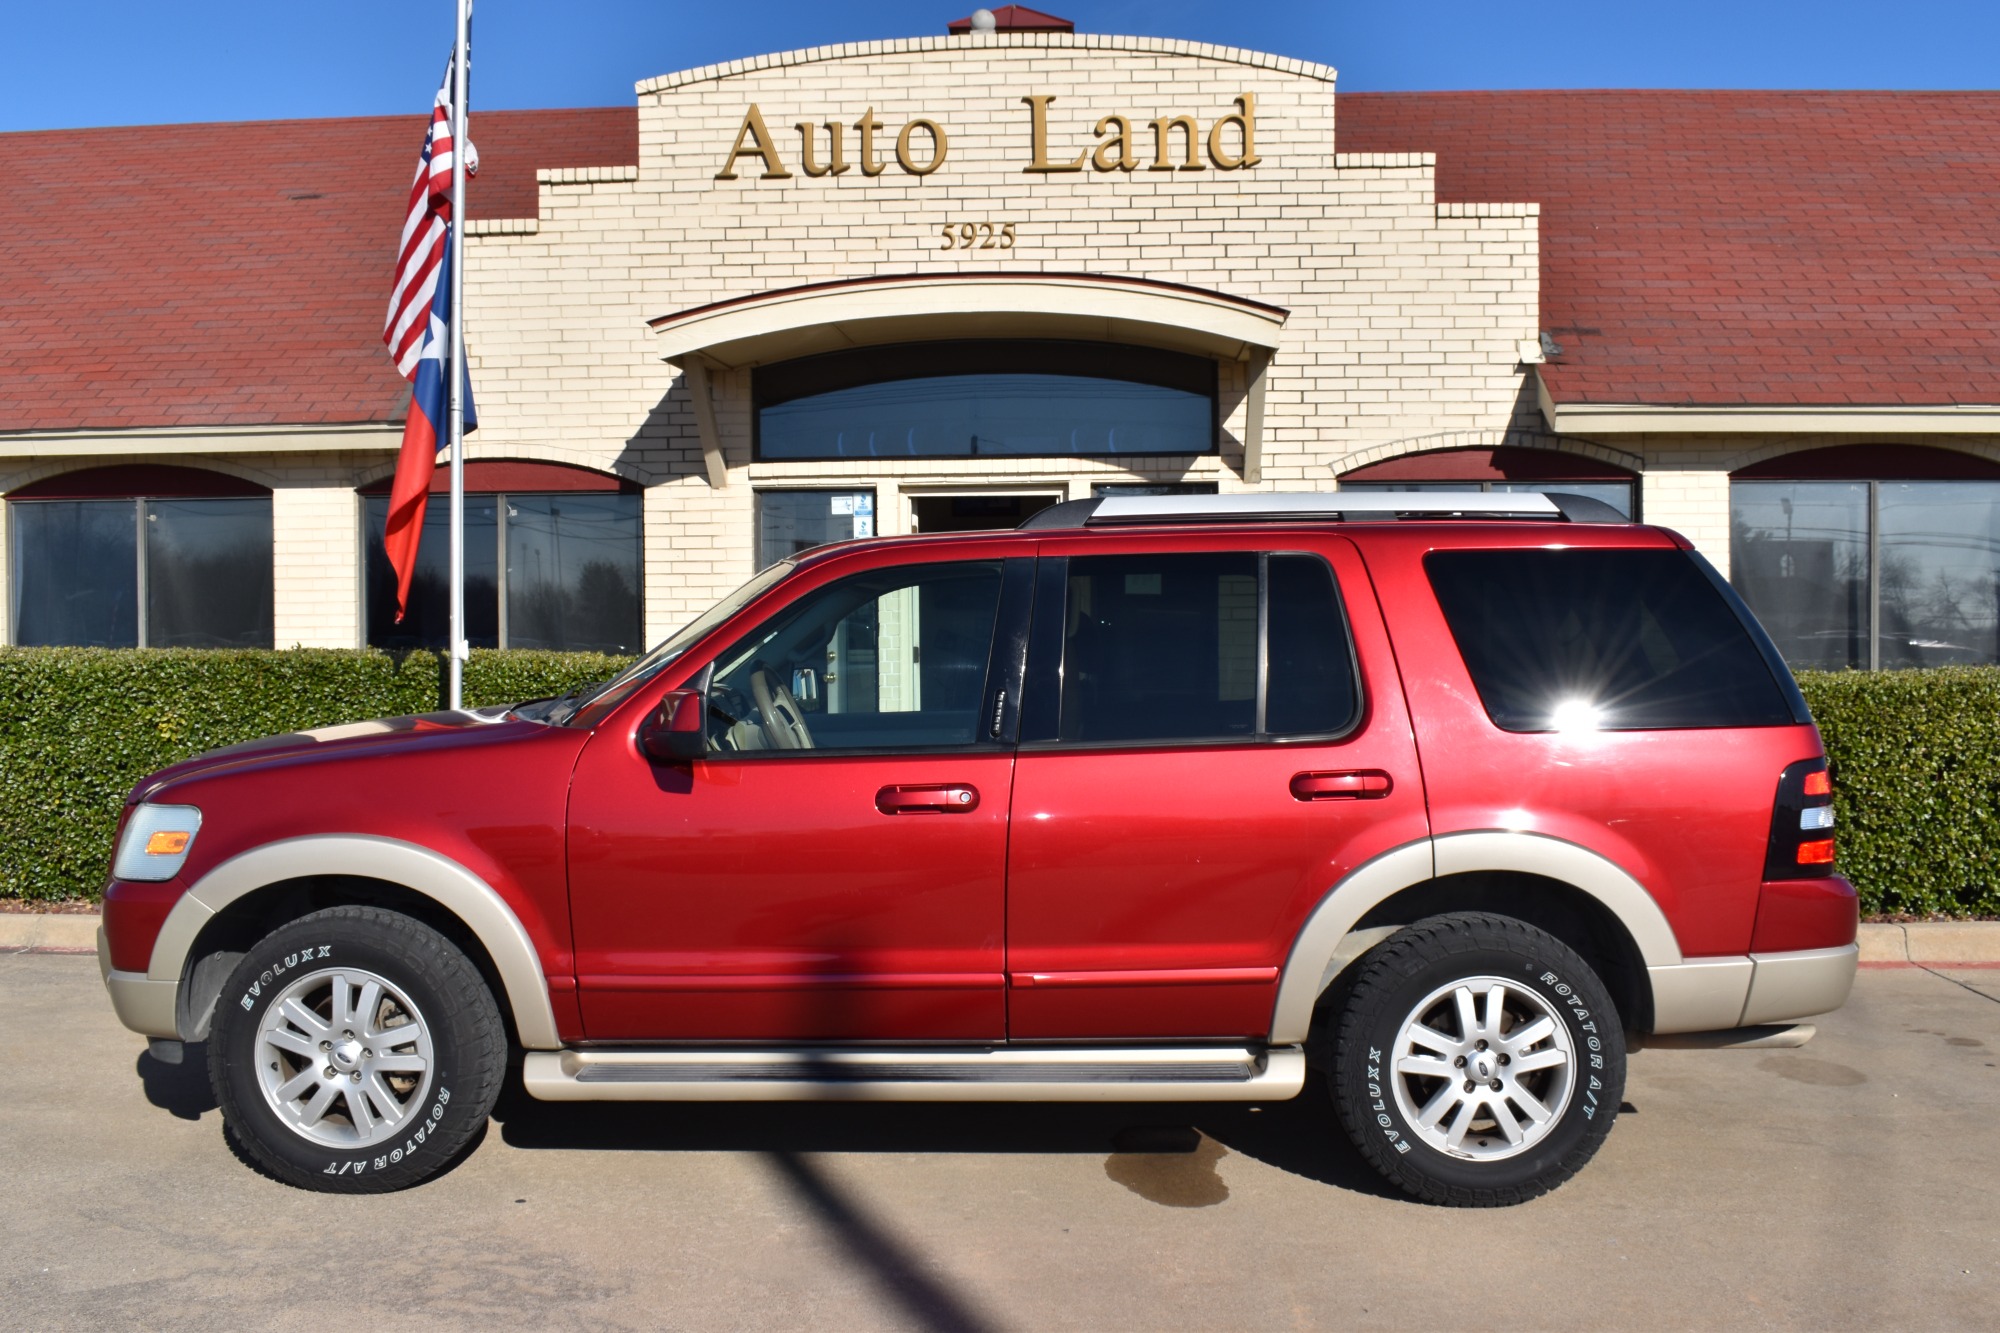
x,y
170,440
1596,419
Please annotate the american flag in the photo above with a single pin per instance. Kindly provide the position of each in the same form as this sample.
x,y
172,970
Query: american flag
x,y
420,261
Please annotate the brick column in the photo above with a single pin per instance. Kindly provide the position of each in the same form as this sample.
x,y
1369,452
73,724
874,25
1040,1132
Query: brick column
x,y
316,567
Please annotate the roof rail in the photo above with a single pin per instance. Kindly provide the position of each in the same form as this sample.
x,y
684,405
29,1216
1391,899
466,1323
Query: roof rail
x,y
1279,506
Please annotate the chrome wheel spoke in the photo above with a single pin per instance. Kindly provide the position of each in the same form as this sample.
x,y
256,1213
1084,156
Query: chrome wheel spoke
x,y
1445,1098
1521,1038
1496,1010
399,1064
296,1089
315,1109
367,1004
1530,1104
384,1100
359,1111
1548,1059
1454,1133
303,1018
1425,1066
1433,1039
1509,1126
1468,1013
287,1040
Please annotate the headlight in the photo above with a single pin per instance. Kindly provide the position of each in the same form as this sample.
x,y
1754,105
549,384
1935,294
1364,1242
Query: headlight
x,y
156,842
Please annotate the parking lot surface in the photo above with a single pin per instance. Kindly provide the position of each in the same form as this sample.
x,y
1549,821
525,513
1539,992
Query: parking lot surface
x,y
1852,1183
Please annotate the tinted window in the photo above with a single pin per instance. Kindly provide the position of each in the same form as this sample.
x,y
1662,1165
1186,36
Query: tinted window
x,y
789,522
893,659
1605,640
208,573
1168,647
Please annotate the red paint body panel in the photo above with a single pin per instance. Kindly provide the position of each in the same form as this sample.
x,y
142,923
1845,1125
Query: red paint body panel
x,y
1194,858
133,915
489,796
1686,813
1806,914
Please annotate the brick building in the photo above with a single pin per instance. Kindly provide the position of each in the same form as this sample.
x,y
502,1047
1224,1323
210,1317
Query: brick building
x,y
939,282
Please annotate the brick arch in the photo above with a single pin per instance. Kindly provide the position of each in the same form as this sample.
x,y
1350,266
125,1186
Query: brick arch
x,y
1443,441
102,479
517,473
1900,461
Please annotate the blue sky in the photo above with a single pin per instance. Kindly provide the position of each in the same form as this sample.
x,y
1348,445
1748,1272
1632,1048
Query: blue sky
x,y
121,62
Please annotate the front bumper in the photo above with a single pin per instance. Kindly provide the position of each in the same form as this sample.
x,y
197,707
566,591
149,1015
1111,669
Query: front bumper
x,y
1706,994
143,1004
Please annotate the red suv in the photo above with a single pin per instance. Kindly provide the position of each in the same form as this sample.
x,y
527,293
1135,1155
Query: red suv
x,y
1157,798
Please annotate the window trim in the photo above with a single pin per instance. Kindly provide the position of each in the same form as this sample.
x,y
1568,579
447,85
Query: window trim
x,y
1042,682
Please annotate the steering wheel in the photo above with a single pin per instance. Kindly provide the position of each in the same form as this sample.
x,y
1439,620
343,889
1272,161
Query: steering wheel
x,y
784,723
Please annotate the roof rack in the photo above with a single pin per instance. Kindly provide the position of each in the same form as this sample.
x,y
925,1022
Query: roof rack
x,y
1350,506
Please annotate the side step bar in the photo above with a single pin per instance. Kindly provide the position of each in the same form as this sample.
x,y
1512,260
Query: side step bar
x,y
1004,1074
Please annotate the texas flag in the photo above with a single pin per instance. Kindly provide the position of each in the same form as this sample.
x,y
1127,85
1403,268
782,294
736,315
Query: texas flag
x,y
423,433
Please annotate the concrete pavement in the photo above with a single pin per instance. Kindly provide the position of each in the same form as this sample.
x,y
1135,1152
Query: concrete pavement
x,y
1846,1184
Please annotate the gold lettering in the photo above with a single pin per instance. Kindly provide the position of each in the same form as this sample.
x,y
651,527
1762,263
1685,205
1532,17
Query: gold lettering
x,y
1122,141
867,126
760,146
939,146
1245,120
1038,108
838,162
1162,133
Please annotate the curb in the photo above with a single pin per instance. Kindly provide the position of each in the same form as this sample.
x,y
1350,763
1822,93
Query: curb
x,y
1929,942
63,932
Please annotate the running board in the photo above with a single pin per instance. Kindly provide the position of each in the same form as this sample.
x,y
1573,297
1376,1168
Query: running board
x,y
1140,1074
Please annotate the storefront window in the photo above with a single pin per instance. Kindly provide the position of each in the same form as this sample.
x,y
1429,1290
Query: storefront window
x,y
789,522
177,571
569,580
986,400
1871,573
1509,468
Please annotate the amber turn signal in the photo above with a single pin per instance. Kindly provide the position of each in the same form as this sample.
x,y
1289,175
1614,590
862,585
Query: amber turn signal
x,y
167,842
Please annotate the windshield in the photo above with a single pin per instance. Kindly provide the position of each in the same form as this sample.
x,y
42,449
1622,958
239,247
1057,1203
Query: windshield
x,y
602,698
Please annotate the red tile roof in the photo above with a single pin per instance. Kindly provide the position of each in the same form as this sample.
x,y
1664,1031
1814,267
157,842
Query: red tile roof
x,y
212,275
1697,248
1710,248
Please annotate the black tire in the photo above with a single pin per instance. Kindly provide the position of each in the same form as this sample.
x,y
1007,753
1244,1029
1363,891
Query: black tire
x,y
428,1091
1411,976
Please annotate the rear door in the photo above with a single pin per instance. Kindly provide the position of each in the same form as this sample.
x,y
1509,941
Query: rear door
x,y
1213,734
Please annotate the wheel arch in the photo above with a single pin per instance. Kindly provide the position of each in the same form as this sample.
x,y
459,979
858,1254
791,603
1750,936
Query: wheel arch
x,y
256,891
1587,901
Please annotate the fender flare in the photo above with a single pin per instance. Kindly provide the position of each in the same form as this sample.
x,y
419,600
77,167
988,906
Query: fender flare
x,y
1318,955
423,871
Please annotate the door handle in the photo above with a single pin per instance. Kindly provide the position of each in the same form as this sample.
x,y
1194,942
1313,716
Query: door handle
x,y
954,798
1367,784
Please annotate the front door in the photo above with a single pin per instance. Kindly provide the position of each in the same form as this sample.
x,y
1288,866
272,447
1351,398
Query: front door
x,y
834,868
1213,736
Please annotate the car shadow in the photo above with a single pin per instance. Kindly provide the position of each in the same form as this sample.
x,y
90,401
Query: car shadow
x,y
1301,1137
181,1090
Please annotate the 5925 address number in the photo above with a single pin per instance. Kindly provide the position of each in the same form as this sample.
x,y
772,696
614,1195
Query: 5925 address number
x,y
976,235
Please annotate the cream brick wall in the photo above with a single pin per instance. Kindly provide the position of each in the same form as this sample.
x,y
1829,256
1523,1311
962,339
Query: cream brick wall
x,y
1404,317
316,565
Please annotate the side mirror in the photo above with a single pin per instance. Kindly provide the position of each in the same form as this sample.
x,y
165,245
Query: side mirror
x,y
675,732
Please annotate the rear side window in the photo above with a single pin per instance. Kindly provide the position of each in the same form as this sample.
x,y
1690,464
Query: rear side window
x,y
1203,647
1602,640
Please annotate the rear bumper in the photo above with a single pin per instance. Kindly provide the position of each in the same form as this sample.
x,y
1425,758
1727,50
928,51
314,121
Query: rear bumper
x,y
1704,994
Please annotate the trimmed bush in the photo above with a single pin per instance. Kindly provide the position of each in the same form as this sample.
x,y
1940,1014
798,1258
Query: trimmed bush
x,y
80,726
1916,754
1916,792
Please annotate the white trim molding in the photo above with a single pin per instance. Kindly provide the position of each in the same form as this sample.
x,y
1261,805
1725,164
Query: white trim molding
x,y
171,441
1767,419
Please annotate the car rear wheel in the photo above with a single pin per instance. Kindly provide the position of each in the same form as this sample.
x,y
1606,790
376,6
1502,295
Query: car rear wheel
x,y
356,1051
1478,1061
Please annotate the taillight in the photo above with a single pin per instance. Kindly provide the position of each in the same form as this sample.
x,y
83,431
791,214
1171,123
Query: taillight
x,y
1801,844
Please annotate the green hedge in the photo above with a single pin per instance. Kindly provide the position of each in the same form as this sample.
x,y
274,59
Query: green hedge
x,y
1916,760
1916,753
79,726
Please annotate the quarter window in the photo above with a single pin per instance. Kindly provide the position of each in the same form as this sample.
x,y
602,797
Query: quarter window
x,y
1197,647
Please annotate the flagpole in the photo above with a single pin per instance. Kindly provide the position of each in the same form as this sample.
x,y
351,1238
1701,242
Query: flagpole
x,y
455,369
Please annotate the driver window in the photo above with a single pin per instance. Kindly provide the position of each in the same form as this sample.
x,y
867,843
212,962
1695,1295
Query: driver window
x,y
891,659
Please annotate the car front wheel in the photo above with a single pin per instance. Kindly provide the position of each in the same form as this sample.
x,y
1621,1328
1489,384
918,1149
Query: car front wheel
x,y
1478,1060
356,1051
